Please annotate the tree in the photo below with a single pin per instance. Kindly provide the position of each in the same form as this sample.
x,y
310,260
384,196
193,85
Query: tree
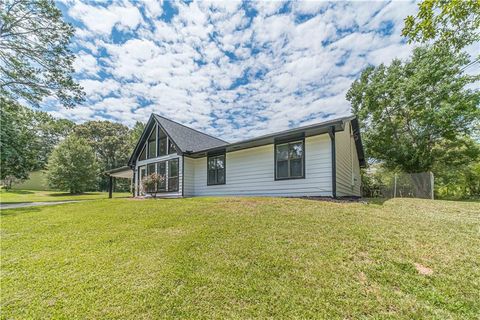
x,y
110,142
136,133
72,166
27,139
49,132
454,23
458,175
35,61
17,135
409,111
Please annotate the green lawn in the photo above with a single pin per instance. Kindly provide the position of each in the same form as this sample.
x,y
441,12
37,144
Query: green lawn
x,y
15,196
241,258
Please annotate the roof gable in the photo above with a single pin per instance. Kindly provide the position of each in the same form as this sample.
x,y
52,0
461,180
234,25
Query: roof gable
x,y
185,139
188,139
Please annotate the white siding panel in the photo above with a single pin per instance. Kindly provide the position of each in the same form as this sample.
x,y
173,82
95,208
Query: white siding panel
x,y
189,168
348,168
251,172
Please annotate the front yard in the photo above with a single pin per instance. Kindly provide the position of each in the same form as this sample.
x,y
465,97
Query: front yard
x,y
241,258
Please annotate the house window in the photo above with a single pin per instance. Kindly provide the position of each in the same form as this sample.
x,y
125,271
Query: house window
x,y
162,146
161,170
143,154
216,169
289,160
173,175
171,147
142,172
150,170
152,144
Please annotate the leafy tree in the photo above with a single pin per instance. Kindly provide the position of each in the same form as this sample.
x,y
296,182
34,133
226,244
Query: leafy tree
x,y
111,143
136,133
49,132
458,176
27,139
72,166
35,61
454,23
17,157
410,111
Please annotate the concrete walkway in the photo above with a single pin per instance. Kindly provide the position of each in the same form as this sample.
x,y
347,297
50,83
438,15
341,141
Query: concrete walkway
x,y
33,204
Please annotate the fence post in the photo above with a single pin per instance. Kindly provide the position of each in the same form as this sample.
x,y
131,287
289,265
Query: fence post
x,y
432,181
395,186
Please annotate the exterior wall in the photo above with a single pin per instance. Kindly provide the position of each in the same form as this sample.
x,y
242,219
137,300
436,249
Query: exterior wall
x,y
189,176
348,168
251,172
158,159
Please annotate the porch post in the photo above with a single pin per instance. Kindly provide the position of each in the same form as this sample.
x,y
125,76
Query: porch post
x,y
133,184
110,186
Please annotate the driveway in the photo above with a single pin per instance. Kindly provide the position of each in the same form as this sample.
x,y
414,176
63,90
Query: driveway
x,y
32,204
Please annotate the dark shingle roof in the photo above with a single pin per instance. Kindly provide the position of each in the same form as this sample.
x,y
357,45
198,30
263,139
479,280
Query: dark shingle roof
x,y
188,139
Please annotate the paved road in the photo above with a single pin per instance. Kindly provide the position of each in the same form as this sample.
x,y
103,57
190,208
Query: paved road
x,y
32,204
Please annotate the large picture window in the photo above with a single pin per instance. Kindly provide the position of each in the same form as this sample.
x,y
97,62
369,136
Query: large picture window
x,y
143,154
152,144
173,175
216,169
162,171
289,160
162,146
171,147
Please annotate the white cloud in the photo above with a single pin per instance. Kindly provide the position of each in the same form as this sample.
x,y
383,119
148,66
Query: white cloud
x,y
86,64
100,20
218,70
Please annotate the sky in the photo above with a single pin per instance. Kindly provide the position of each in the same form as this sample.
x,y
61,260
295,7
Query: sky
x,y
235,70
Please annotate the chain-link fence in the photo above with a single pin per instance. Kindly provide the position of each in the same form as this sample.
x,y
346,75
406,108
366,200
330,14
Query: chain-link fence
x,y
401,185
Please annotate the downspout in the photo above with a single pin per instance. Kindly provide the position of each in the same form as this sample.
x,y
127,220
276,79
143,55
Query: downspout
x,y
331,133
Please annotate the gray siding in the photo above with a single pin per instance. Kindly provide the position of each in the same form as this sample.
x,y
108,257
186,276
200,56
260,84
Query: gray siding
x,y
251,172
189,168
348,168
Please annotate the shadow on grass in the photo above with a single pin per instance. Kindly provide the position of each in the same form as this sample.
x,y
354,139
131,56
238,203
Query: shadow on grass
x,y
19,191
377,201
460,200
68,194
16,211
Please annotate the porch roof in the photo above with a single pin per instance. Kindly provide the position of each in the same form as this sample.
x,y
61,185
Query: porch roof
x,y
122,172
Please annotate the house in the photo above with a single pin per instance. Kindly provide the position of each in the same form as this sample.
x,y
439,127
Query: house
x,y
322,159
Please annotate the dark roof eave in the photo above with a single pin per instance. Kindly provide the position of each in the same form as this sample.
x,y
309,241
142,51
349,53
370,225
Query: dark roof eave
x,y
270,138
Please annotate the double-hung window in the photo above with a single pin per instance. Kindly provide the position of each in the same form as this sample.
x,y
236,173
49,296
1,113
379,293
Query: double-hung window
x,y
290,160
216,169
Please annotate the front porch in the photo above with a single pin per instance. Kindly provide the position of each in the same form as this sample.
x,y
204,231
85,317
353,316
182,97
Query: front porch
x,y
123,172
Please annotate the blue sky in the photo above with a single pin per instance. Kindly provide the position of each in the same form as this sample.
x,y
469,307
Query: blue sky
x,y
231,69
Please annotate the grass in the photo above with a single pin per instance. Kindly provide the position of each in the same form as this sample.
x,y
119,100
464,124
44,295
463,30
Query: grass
x,y
16,196
241,258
